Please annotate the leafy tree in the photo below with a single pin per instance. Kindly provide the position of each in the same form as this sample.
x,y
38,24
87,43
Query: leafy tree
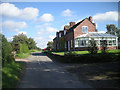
x,y
92,47
6,50
49,45
25,48
31,44
20,40
112,29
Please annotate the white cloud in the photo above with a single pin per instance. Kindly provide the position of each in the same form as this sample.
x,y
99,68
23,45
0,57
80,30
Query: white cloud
x,y
10,39
13,26
10,10
46,18
51,29
104,17
22,32
51,37
1,32
67,13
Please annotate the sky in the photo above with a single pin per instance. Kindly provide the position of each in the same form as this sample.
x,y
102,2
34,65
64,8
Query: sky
x,y
41,20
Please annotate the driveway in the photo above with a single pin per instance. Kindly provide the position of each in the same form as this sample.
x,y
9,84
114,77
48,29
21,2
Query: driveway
x,y
42,72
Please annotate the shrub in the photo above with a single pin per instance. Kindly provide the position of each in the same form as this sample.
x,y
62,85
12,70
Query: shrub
x,y
92,49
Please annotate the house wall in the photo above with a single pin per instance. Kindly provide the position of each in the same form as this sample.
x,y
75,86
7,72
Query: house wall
x,y
108,48
86,22
69,37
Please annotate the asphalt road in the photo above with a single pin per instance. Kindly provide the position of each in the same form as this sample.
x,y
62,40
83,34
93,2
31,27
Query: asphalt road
x,y
42,72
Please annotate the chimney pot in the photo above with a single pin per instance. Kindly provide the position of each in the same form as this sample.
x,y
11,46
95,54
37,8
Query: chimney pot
x,y
90,18
72,24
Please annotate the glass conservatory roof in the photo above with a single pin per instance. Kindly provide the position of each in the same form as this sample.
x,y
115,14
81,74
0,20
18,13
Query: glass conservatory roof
x,y
96,34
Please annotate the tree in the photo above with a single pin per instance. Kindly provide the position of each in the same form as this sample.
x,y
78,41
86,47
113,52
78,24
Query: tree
x,y
31,44
92,46
6,50
112,29
49,45
25,48
20,40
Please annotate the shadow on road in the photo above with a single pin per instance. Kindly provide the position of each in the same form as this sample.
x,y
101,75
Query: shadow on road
x,y
38,54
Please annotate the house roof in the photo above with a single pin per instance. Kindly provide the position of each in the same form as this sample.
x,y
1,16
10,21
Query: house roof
x,y
73,27
96,34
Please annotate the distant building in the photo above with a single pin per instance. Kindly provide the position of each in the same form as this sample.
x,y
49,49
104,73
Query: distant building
x,y
77,36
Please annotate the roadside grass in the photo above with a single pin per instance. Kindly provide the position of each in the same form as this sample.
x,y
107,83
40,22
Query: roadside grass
x,y
86,52
11,73
34,50
22,55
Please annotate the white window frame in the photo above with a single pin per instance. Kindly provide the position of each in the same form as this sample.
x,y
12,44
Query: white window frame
x,y
84,27
64,32
59,34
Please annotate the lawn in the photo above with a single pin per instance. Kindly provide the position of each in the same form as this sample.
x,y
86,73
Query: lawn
x,y
11,73
86,52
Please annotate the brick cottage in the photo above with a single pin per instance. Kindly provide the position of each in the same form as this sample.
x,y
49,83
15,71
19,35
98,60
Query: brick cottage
x,y
77,36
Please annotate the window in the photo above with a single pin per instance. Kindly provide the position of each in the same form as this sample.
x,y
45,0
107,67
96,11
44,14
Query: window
x,y
64,32
114,42
71,43
59,34
84,29
76,42
82,42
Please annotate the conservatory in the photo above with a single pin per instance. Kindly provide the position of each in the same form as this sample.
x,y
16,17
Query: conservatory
x,y
83,40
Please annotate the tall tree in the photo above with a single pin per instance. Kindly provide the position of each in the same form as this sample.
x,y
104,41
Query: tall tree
x,y
112,29
50,45
22,39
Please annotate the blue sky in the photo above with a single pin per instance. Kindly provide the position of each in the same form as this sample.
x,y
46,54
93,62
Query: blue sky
x,y
41,20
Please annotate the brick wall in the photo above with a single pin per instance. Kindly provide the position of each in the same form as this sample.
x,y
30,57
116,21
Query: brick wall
x,y
86,22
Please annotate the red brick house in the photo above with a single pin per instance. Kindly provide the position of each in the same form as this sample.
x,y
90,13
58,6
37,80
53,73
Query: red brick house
x,y
77,36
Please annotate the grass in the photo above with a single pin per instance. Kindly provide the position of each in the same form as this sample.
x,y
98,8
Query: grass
x,y
22,55
86,52
11,73
34,50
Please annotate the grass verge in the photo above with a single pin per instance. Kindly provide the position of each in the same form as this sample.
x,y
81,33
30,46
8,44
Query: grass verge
x,y
34,50
22,55
85,58
86,52
11,73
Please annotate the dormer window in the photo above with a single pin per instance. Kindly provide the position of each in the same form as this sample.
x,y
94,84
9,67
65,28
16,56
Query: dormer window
x,y
84,29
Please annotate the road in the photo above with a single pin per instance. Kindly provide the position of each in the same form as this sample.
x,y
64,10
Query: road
x,y
43,72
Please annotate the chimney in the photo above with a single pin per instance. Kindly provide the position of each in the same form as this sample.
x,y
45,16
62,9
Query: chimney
x,y
90,18
72,24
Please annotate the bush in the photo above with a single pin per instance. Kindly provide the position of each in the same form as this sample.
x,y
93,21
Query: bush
x,y
6,51
92,49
